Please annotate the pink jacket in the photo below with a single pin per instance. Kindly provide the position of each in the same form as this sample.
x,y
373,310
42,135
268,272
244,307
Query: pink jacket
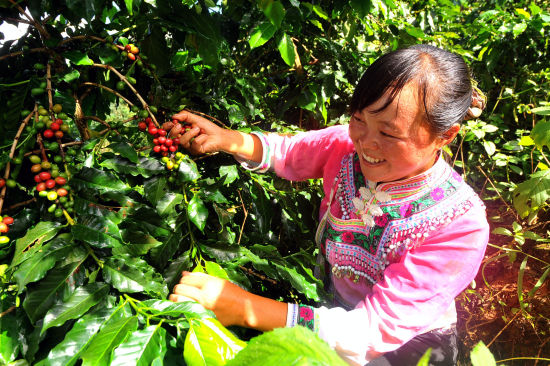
x,y
417,288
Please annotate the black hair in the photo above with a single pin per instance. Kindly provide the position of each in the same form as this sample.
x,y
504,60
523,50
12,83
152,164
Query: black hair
x,y
443,79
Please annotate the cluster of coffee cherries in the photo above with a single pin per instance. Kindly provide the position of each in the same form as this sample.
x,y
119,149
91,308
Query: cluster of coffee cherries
x,y
4,228
131,51
163,145
54,128
50,184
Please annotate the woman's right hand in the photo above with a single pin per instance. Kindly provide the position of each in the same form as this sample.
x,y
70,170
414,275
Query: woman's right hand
x,y
204,136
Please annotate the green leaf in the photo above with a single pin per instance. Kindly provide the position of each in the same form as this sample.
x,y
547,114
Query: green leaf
x,y
531,194
481,356
154,189
287,346
274,11
98,180
179,60
502,231
187,309
362,7
36,267
94,237
188,172
519,28
415,32
166,205
99,351
78,58
9,332
129,6
541,134
164,252
490,147
138,242
261,34
141,347
71,76
425,359
80,302
197,212
286,49
67,352
33,240
214,269
542,111
230,172
40,299
208,343
133,275
126,150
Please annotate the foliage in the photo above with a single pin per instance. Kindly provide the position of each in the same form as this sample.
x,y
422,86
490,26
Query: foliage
x,y
92,273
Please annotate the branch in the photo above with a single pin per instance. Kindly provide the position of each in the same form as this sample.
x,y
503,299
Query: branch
x,y
260,276
18,53
498,193
213,119
97,119
12,153
78,38
14,206
35,23
244,220
49,88
109,90
123,78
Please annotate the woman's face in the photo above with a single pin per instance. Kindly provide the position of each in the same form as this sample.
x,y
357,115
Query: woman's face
x,y
395,143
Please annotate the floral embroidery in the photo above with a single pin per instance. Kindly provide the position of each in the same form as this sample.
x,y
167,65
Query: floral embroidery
x,y
437,194
367,206
381,220
347,237
457,176
306,317
405,210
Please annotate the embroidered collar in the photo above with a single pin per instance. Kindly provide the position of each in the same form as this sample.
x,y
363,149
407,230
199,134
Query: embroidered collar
x,y
366,203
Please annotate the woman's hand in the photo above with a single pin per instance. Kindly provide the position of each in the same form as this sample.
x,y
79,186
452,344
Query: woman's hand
x,y
204,136
231,304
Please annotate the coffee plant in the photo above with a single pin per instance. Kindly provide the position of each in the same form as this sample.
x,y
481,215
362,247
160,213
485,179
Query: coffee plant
x,y
101,209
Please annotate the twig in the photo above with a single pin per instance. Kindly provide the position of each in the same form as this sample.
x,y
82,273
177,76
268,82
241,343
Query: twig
x,y
123,78
12,153
502,330
244,220
498,193
49,88
260,276
12,308
18,53
540,349
214,119
35,23
109,90
14,206
78,38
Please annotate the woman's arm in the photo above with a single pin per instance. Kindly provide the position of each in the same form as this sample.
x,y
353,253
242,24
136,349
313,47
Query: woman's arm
x,y
206,137
231,304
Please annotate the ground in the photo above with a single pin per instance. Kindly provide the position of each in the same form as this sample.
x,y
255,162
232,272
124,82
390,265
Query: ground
x,y
490,312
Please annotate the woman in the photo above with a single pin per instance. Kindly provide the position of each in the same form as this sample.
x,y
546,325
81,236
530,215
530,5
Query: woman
x,y
401,233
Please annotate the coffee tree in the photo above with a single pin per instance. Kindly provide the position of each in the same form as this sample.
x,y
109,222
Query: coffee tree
x,y
102,209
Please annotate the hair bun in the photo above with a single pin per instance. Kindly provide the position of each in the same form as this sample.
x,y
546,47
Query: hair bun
x,y
479,101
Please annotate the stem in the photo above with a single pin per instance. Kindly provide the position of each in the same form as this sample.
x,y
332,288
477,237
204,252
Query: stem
x,y
18,53
524,358
214,119
498,193
91,252
24,203
49,88
244,220
123,78
109,90
78,38
35,23
518,251
502,330
12,153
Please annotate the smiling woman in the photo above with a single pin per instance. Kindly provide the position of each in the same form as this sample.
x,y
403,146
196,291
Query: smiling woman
x,y
400,235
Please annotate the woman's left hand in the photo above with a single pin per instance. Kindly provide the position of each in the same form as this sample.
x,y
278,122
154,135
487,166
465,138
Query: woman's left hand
x,y
225,299
231,304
